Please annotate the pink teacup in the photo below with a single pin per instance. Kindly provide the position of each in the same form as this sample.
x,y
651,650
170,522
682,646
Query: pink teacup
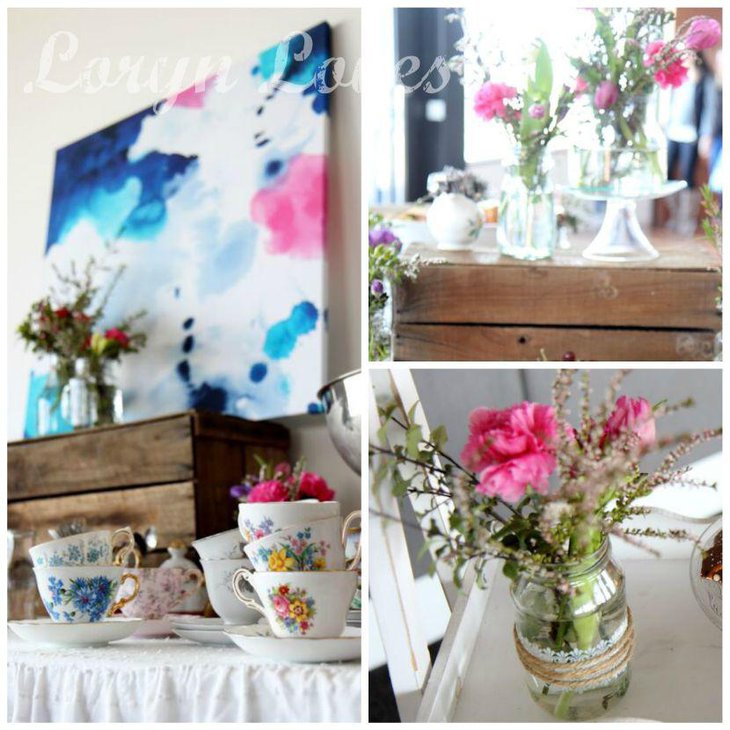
x,y
160,590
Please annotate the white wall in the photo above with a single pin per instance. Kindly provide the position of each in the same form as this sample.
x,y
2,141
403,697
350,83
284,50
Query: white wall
x,y
40,122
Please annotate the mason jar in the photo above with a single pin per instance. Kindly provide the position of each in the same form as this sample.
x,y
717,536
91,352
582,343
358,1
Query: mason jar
x,y
573,635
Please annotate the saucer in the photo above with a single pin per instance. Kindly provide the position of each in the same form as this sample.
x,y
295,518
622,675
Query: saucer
x,y
196,623
159,628
45,631
258,641
203,636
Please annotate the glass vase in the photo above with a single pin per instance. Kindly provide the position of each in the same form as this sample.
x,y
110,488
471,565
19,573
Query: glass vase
x,y
619,152
527,227
50,411
106,403
574,636
91,398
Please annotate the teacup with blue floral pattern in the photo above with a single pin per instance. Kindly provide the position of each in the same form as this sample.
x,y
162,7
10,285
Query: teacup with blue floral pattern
x,y
86,548
83,594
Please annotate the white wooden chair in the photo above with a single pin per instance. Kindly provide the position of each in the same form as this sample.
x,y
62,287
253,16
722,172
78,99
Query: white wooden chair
x,y
423,693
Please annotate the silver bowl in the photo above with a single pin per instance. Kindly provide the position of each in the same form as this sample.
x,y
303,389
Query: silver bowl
x,y
342,403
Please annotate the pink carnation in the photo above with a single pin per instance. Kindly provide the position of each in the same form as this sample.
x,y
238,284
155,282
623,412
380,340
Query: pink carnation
x,y
631,415
273,491
668,75
703,33
512,449
489,100
313,486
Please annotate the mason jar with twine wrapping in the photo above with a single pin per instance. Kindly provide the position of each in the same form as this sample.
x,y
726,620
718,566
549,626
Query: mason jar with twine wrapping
x,y
574,635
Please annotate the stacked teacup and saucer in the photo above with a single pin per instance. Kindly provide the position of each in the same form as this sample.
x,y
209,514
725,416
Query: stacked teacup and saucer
x,y
221,555
302,579
78,578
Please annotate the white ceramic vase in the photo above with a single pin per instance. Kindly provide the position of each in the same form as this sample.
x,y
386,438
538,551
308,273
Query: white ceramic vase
x,y
454,221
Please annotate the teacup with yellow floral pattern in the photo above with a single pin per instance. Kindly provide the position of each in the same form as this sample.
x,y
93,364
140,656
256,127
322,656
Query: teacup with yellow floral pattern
x,y
308,546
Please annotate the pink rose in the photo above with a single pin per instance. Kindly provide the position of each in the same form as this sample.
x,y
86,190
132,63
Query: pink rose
x,y
512,449
314,486
581,86
536,111
668,75
703,33
281,605
634,416
273,491
489,100
606,95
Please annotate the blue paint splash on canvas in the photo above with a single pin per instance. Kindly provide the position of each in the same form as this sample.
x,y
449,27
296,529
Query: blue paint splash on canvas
x,y
94,179
282,337
310,72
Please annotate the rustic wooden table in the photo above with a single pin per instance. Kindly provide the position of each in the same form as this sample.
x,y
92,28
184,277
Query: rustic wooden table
x,y
478,305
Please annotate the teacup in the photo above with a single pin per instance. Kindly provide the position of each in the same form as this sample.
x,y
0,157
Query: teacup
x,y
226,545
318,545
86,548
259,519
83,594
219,583
312,604
160,590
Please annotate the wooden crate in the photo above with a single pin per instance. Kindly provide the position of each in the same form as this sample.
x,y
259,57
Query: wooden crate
x,y
477,305
172,473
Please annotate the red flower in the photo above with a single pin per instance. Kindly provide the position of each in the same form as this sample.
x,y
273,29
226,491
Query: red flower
x,y
314,486
87,343
272,491
81,317
667,75
62,312
116,334
283,590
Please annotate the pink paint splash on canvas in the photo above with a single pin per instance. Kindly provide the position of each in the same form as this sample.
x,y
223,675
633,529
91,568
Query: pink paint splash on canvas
x,y
194,96
293,209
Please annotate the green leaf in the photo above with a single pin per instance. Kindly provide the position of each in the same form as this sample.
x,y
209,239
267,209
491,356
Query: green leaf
x,y
439,437
400,485
543,82
509,570
414,437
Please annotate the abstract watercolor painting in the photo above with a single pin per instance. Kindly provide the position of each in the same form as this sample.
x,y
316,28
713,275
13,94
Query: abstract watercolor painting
x,y
215,201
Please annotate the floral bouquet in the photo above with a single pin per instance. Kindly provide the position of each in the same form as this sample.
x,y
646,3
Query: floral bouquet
x,y
282,483
573,630
623,62
67,325
386,266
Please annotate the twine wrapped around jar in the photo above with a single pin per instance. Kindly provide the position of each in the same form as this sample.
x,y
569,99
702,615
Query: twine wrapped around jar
x,y
582,673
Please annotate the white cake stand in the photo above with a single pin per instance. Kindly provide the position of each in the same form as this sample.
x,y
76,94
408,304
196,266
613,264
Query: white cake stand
x,y
620,238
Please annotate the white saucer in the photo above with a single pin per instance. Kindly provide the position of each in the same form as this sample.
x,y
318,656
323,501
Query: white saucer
x,y
159,628
198,623
258,641
45,631
203,636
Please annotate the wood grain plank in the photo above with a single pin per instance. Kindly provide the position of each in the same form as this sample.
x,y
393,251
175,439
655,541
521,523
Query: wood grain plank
x,y
677,290
170,508
459,342
147,452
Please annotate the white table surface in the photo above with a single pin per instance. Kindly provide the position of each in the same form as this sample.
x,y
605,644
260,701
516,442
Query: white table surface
x,y
676,669
173,680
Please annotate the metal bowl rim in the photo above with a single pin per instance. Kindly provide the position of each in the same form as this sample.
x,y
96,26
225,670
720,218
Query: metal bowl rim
x,y
321,391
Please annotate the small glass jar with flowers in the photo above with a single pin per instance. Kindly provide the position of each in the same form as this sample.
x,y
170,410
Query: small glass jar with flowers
x,y
66,326
620,148
546,495
530,111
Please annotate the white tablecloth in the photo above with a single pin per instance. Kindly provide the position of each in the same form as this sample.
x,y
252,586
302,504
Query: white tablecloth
x,y
173,680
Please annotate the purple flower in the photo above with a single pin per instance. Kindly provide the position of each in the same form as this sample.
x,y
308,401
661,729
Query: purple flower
x,y
239,491
382,237
377,286
703,33
606,95
536,111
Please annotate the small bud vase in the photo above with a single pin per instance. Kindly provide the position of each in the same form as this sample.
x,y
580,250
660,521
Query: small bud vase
x,y
527,228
